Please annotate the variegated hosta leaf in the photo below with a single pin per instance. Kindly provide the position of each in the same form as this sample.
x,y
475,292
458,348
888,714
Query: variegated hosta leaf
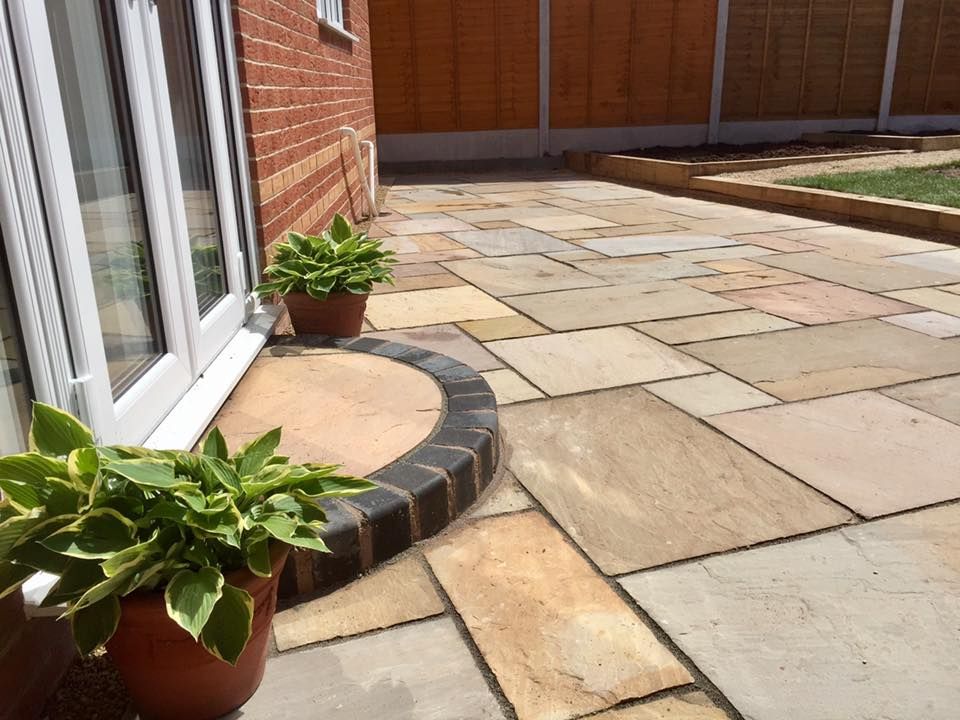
x,y
56,432
95,624
98,534
190,597
228,628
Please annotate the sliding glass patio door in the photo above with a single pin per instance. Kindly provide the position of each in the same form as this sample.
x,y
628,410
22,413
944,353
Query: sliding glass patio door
x,y
125,105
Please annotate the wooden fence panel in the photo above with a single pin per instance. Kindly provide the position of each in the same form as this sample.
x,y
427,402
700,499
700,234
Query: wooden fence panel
x,y
743,69
824,66
866,55
651,60
569,63
928,66
394,87
518,48
436,73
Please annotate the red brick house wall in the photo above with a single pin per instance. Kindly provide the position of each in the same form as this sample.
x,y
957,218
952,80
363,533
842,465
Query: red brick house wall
x,y
300,83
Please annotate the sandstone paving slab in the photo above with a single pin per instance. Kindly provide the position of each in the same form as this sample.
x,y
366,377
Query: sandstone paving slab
x,y
703,395
574,235
403,244
426,258
733,265
570,256
641,269
415,672
759,223
554,223
521,274
866,450
392,594
418,282
506,497
599,192
638,483
859,623
933,323
502,327
595,307
416,269
952,288
634,215
776,243
940,396
701,209
510,241
686,706
810,362
743,280
494,224
509,387
422,227
844,240
645,244
712,327
721,253
560,641
433,307
816,302
646,229
566,363
871,274
447,340
945,302
508,213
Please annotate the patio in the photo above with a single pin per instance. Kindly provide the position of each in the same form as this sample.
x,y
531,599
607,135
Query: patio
x,y
731,441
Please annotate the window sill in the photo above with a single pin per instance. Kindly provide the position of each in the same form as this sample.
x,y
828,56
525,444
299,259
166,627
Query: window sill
x,y
338,30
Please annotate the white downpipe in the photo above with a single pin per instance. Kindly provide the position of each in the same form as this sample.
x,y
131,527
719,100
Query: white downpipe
x,y
367,187
372,173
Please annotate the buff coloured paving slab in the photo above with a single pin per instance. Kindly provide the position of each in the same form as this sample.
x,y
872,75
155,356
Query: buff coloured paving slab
x,y
674,503
645,244
502,327
817,302
571,256
595,307
417,269
943,261
688,706
432,307
560,641
634,215
859,623
415,672
945,302
870,274
566,363
759,223
810,362
506,497
521,274
434,257
510,241
554,223
509,213
743,280
403,244
842,240
418,282
940,397
711,394
508,387
422,227
865,450
447,340
933,323
375,424
712,327
392,594
776,243
720,253
641,269
596,193
734,265
700,209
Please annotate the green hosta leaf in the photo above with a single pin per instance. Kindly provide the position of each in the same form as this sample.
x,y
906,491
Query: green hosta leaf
x,y
299,243
77,577
22,495
192,497
292,532
317,292
98,534
32,554
62,497
340,229
15,528
253,456
257,554
13,576
132,558
145,472
32,468
191,596
94,625
223,473
230,624
329,486
55,432
215,445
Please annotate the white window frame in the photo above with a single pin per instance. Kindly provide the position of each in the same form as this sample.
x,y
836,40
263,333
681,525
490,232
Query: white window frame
x,y
330,13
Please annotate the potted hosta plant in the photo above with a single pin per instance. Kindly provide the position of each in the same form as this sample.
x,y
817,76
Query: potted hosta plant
x,y
168,558
325,280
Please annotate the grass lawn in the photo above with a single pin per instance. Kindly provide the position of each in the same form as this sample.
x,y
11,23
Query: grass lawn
x,y
919,184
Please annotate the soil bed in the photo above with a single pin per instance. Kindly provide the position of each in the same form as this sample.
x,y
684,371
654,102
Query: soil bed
x,y
760,151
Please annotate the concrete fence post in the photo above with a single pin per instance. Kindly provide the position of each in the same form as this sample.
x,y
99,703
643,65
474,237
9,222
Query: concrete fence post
x,y
890,65
719,60
543,137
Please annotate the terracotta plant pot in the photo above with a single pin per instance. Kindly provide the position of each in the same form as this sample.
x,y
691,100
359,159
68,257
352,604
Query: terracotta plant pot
x,y
169,675
340,315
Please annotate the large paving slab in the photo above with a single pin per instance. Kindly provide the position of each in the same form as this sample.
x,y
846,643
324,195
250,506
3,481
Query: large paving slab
x,y
415,672
816,302
641,269
426,226
859,623
595,307
510,241
711,394
561,223
396,593
868,451
646,244
502,327
601,191
432,307
521,274
560,641
933,298
565,363
403,244
940,397
637,483
941,261
506,497
687,706
447,340
810,362
758,223
508,387
712,327
764,277
931,322
870,274
634,214
843,241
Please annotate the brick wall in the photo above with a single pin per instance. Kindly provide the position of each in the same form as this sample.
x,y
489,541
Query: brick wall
x,y
300,83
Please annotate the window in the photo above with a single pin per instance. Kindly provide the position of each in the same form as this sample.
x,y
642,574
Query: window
x,y
14,382
330,12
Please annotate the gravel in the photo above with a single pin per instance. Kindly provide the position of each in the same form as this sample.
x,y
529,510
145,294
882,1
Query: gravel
x,y
878,162
757,151
91,690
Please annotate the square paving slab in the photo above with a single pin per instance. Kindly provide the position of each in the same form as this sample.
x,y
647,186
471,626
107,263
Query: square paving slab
x,y
510,241
573,362
816,302
641,269
416,672
814,361
432,307
637,483
521,274
871,274
646,244
711,327
940,397
561,643
859,624
711,394
447,340
868,451
595,307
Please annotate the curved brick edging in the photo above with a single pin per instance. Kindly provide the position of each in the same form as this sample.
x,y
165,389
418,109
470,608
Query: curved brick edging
x,y
421,492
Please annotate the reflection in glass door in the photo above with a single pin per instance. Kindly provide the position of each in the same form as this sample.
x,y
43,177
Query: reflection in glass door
x,y
14,383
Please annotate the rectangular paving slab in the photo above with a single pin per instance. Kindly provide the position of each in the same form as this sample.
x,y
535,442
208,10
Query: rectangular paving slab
x,y
641,269
859,624
432,307
637,483
822,360
710,394
933,298
871,274
560,641
842,241
711,327
686,706
520,274
510,241
646,244
940,397
942,261
415,672
447,340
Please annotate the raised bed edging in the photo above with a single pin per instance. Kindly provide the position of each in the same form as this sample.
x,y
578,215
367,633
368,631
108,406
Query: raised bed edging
x,y
920,143
676,174
853,207
421,492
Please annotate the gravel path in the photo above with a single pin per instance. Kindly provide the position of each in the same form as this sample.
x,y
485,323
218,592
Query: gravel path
x,y
877,162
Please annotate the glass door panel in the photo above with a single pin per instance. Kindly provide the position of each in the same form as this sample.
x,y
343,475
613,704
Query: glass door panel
x,y
14,383
105,167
